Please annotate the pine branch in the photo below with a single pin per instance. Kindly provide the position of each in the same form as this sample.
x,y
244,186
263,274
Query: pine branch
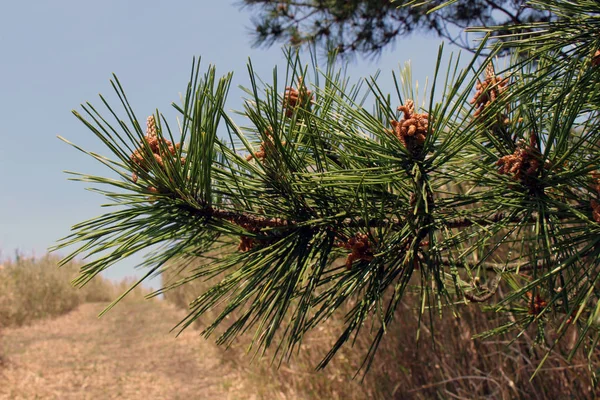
x,y
413,193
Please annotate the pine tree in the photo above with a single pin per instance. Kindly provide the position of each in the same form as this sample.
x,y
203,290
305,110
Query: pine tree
x,y
489,195
368,26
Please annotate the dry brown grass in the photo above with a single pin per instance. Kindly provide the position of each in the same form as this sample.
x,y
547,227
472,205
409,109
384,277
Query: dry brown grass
x,y
53,346
449,363
126,354
32,289
35,288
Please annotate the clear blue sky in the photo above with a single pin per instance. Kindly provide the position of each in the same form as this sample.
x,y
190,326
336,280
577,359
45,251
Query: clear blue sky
x,y
56,55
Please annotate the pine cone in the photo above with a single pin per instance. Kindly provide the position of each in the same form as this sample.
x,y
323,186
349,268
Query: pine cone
x,y
412,129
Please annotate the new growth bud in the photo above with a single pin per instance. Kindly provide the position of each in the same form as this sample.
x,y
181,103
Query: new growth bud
x,y
524,164
412,129
488,91
360,249
295,98
159,147
593,203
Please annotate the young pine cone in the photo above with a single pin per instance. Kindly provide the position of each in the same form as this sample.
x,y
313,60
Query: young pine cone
x,y
159,146
489,90
294,98
267,147
595,210
411,130
536,305
524,164
360,249
593,203
596,58
596,181
246,244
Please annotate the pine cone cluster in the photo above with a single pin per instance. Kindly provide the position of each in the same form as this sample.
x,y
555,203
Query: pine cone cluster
x,y
536,305
159,146
295,98
525,163
246,244
595,210
489,90
596,58
262,153
266,147
360,249
594,204
596,181
411,130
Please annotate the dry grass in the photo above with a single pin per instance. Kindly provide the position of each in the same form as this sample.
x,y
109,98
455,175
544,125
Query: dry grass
x,y
76,355
32,289
53,346
447,364
126,354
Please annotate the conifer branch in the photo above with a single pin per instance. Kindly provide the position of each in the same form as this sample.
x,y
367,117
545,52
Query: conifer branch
x,y
413,194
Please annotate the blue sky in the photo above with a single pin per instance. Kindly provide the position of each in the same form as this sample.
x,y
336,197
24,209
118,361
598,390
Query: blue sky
x,y
56,55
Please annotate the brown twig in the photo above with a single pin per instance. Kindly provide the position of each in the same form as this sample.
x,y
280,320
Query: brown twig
x,y
491,290
246,219
492,267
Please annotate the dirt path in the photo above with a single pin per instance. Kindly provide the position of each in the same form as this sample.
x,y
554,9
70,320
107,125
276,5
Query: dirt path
x,y
127,354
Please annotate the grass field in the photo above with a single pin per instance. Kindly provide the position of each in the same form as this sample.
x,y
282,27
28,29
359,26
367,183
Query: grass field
x,y
447,363
127,354
32,289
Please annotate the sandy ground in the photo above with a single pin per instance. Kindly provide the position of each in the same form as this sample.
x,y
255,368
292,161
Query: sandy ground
x,y
127,354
